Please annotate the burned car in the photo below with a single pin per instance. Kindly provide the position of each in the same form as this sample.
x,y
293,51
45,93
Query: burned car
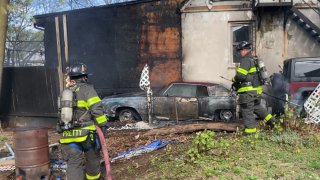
x,y
178,101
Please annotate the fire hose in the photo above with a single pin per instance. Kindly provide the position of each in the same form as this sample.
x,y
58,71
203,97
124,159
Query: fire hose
x,y
104,152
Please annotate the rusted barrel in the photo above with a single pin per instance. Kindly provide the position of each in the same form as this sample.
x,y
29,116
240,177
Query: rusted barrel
x,y
31,152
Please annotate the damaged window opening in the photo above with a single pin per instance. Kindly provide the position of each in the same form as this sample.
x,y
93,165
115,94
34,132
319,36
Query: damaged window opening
x,y
240,32
184,90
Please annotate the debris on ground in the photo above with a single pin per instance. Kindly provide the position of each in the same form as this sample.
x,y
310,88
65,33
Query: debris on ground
x,y
119,138
154,145
7,163
141,125
11,153
58,169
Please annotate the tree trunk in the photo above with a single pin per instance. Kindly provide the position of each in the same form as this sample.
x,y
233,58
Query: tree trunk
x,y
3,33
194,127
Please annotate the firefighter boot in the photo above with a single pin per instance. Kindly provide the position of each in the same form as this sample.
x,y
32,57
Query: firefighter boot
x,y
273,122
249,131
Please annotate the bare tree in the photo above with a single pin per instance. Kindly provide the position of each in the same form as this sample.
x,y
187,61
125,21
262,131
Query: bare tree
x,y
3,30
24,43
20,33
115,1
78,4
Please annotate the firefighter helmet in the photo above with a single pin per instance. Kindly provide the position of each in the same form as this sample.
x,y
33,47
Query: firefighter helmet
x,y
78,69
243,45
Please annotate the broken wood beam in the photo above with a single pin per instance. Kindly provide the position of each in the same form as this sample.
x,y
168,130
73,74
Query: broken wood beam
x,y
187,128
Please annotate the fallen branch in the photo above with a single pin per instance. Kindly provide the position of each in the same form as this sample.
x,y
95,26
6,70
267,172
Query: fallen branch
x,y
178,129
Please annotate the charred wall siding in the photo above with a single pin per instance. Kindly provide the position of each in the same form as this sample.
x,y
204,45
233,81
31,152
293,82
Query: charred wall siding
x,y
117,41
28,91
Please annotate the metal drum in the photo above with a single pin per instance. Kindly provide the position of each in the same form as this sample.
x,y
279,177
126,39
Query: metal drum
x,y
31,153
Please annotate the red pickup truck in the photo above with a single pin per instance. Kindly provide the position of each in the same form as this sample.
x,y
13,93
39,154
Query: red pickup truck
x,y
300,76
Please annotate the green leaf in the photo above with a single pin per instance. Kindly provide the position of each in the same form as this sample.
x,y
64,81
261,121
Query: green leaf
x,y
204,135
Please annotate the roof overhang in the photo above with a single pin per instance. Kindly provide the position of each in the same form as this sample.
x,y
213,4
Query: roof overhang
x,y
211,5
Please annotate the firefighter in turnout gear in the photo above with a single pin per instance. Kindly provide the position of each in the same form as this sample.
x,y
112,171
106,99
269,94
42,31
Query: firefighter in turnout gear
x,y
249,89
78,136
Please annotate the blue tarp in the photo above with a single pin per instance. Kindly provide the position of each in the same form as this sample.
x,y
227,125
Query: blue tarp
x,y
154,145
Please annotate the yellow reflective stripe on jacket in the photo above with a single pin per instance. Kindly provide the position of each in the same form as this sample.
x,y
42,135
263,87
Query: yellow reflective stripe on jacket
x,y
92,177
250,130
267,118
76,135
91,127
259,89
245,89
90,102
242,71
93,101
252,70
82,104
101,119
73,139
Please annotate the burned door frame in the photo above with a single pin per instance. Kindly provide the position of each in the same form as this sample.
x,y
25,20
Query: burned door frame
x,y
62,62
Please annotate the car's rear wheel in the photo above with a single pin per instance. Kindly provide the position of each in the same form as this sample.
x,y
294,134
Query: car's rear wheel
x,y
128,115
226,115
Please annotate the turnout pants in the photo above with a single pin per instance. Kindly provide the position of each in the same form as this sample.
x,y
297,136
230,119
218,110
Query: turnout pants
x,y
250,104
79,154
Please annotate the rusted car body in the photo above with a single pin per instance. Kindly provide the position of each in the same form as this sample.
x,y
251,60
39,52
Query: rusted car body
x,y
178,101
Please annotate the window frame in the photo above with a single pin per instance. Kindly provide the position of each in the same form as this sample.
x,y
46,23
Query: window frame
x,y
233,24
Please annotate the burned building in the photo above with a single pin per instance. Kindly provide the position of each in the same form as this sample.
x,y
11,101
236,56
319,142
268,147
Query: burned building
x,y
278,30
189,40
115,41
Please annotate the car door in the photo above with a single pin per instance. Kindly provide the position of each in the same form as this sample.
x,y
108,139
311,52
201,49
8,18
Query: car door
x,y
178,102
163,107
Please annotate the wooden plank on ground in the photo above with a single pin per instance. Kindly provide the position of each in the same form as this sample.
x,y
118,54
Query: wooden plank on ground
x,y
7,163
187,128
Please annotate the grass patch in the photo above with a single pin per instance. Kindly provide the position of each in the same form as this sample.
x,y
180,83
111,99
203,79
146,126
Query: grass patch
x,y
3,138
315,164
267,155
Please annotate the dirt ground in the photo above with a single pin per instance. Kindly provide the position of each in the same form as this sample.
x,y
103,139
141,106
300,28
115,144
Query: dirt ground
x,y
117,141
